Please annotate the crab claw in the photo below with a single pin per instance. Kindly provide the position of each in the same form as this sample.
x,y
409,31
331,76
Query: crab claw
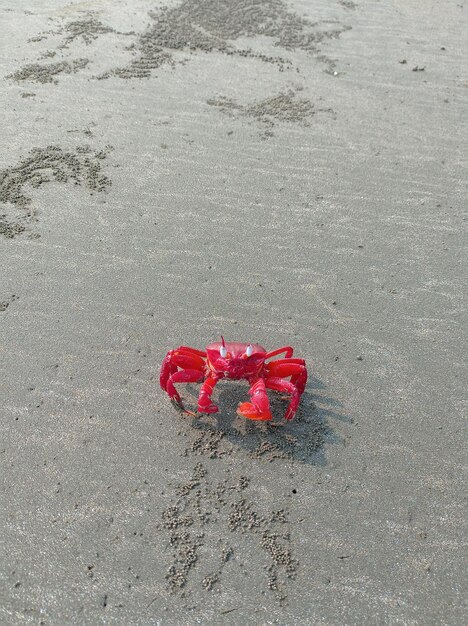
x,y
250,411
205,405
208,408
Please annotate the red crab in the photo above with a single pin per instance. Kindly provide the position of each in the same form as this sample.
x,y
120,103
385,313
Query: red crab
x,y
235,361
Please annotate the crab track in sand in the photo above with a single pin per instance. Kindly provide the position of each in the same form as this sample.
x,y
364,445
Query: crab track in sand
x,y
44,165
200,503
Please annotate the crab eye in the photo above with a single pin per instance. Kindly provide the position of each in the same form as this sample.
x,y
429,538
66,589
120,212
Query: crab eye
x,y
249,350
223,351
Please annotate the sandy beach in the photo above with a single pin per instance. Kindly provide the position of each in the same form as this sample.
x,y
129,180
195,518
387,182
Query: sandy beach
x,y
281,172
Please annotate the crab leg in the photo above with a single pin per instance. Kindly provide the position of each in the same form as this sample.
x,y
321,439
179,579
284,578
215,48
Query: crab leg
x,y
192,350
290,367
192,370
297,361
182,376
179,358
259,408
286,349
284,386
204,399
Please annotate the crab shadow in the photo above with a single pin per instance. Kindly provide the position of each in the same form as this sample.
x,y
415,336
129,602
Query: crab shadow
x,y
303,439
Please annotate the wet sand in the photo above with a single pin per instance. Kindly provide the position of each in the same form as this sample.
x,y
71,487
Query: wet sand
x,y
287,173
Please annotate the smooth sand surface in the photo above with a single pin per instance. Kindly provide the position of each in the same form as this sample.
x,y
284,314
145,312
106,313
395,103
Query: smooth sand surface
x,y
287,173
